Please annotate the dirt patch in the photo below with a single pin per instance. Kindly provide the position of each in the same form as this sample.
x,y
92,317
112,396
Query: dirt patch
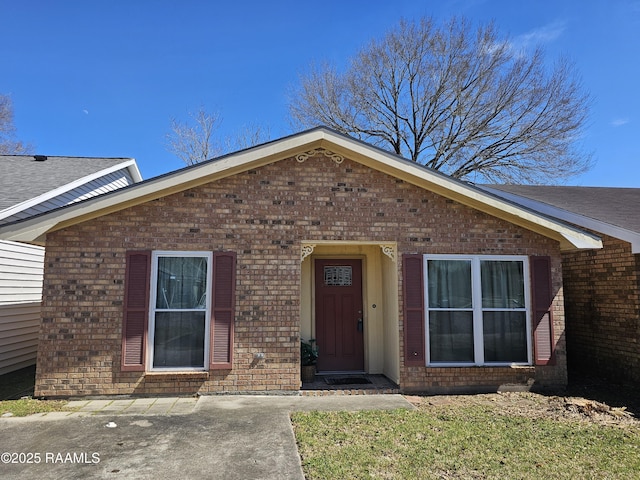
x,y
535,405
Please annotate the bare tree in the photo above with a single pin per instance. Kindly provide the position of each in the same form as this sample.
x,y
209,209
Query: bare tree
x,y
192,142
195,141
248,136
456,100
8,144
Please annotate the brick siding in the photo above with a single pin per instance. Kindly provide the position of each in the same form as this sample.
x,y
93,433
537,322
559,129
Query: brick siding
x,y
263,215
602,290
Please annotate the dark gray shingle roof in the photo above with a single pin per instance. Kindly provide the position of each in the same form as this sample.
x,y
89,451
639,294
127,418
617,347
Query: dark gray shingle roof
x,y
22,177
615,206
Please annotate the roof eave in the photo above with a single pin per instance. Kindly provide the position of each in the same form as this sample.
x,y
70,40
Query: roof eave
x,y
130,165
570,238
33,229
575,218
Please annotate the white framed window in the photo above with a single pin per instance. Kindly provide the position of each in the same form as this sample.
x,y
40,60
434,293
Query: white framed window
x,y
477,310
180,310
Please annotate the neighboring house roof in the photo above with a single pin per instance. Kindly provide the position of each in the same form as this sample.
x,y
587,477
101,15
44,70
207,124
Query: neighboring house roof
x,y
301,146
33,184
611,211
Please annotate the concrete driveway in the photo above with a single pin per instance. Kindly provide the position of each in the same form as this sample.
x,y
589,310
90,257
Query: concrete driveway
x,y
228,437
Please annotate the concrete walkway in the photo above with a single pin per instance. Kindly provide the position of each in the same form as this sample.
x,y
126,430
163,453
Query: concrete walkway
x,y
185,405
136,406
230,437
123,406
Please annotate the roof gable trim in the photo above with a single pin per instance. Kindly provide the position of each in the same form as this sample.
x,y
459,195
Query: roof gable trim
x,y
571,238
300,145
583,221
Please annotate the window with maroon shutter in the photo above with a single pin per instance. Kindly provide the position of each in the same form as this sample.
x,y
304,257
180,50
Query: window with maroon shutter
x,y
413,292
223,311
178,307
477,310
136,310
542,316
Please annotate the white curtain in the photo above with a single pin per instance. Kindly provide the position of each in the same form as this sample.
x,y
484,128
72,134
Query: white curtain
x,y
502,284
451,311
451,325
504,331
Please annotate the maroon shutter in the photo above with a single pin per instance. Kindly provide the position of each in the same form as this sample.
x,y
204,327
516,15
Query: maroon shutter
x,y
413,289
223,310
136,310
542,317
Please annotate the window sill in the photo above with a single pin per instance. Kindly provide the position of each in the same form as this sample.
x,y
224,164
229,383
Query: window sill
x,y
485,365
176,375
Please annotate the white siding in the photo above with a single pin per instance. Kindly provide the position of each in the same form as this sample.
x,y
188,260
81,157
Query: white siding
x,y
21,271
19,326
21,268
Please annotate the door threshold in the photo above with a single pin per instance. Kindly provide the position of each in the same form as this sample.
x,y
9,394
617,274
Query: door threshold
x,y
341,372
379,385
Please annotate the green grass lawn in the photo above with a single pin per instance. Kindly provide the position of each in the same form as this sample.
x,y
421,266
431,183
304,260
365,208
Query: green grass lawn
x,y
29,406
461,442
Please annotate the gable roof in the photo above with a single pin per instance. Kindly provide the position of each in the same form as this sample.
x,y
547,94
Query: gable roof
x,y
32,184
612,211
33,230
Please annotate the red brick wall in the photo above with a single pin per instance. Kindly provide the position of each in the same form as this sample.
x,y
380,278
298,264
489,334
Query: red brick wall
x,y
263,215
602,290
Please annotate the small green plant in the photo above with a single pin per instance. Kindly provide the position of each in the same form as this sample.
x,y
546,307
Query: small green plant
x,y
308,353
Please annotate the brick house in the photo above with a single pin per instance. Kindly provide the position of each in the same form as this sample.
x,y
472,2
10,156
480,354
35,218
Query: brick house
x,y
206,279
601,287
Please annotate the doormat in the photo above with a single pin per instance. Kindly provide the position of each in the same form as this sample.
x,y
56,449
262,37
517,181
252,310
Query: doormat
x,y
346,380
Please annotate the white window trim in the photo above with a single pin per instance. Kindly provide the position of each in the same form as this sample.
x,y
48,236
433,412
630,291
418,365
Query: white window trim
x,y
155,255
478,345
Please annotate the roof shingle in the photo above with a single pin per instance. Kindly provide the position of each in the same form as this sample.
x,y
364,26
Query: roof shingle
x,y
615,206
22,177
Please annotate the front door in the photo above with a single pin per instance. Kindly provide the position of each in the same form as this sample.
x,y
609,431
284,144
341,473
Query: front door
x,y
339,320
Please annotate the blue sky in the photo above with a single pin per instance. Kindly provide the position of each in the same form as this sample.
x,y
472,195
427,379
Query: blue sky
x,y
104,78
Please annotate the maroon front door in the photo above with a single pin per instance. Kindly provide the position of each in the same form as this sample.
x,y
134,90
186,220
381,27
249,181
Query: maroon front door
x,y
339,320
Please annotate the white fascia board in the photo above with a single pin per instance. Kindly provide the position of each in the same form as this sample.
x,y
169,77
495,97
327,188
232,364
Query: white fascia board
x,y
586,222
34,235
577,238
134,171
129,165
30,230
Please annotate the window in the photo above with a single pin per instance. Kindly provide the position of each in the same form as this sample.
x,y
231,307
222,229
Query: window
x,y
337,276
477,310
180,310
